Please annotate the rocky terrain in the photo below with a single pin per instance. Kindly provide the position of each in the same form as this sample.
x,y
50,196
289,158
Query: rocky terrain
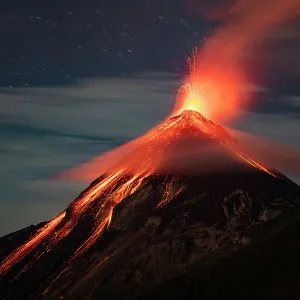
x,y
148,246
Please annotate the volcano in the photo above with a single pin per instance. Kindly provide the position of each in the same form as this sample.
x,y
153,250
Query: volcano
x,y
179,215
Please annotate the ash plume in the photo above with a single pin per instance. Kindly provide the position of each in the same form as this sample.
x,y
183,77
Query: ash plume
x,y
220,61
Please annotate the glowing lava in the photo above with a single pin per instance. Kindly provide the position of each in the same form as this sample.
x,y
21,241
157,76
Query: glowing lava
x,y
25,249
191,100
189,96
171,191
211,89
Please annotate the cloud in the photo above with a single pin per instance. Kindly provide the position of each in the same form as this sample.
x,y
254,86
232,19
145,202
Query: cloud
x,y
289,31
111,103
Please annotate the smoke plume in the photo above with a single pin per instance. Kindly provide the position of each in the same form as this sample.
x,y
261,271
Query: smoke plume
x,y
219,73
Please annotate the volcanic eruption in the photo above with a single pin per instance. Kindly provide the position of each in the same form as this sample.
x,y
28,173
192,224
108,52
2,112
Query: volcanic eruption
x,y
187,155
184,192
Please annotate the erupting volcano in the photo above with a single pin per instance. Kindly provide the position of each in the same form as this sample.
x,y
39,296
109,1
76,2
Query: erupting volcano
x,y
188,169
180,192
184,212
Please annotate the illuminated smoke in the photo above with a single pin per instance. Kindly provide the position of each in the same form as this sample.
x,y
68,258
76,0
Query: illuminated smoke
x,y
219,74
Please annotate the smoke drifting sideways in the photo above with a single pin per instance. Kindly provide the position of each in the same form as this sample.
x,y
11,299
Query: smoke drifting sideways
x,y
184,159
188,143
202,159
220,70
280,157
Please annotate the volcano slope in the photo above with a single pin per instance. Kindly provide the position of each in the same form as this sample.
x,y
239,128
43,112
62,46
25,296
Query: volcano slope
x,y
185,215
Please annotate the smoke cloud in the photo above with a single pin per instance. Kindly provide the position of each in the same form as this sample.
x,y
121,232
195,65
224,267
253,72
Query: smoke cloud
x,y
220,69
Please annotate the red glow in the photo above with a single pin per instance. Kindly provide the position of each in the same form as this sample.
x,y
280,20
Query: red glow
x,y
21,252
218,74
171,191
212,88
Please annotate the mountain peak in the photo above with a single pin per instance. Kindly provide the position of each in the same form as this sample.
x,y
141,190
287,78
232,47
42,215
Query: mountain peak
x,y
191,122
185,171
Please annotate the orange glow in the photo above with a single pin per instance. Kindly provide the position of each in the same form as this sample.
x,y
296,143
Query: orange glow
x,y
214,91
255,164
25,249
97,232
218,71
170,192
51,234
190,101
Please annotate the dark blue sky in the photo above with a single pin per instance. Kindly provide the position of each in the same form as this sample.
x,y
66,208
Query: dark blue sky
x,y
55,42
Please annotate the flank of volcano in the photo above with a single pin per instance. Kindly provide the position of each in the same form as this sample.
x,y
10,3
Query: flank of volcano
x,y
186,176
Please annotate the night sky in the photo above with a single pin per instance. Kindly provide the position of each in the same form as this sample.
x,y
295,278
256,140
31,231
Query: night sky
x,y
81,77
55,42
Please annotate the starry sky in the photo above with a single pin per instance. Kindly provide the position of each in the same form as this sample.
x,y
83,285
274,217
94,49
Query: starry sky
x,y
52,43
78,78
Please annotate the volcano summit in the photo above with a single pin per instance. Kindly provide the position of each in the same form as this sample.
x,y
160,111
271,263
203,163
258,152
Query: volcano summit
x,y
177,216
